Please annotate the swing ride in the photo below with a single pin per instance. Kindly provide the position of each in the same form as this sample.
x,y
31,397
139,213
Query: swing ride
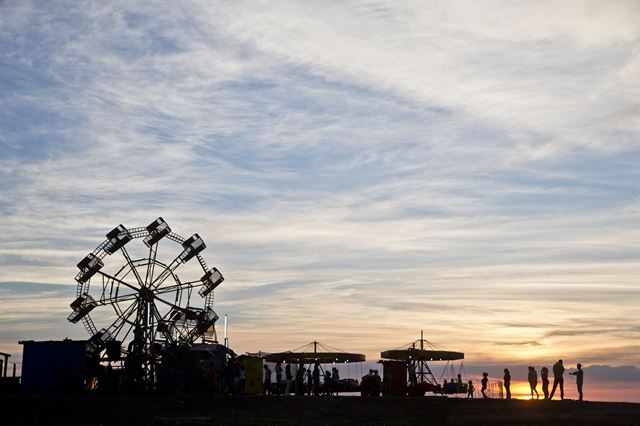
x,y
416,356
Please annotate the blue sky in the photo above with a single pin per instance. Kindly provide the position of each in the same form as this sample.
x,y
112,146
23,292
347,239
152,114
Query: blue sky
x,y
359,170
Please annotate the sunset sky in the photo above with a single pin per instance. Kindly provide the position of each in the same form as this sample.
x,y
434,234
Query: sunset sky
x,y
360,171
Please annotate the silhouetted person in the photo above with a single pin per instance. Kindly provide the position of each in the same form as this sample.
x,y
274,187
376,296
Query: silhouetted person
x,y
544,376
558,379
507,382
278,377
365,384
266,385
316,378
485,382
300,380
470,389
376,384
533,382
309,381
243,378
327,383
579,377
288,378
335,380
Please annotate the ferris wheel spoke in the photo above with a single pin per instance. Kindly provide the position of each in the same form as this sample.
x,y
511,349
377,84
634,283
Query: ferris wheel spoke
x,y
178,287
157,282
123,318
116,300
132,266
174,306
124,283
151,266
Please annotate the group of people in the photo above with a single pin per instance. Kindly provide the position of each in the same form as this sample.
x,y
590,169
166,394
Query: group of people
x,y
329,385
228,380
532,376
371,384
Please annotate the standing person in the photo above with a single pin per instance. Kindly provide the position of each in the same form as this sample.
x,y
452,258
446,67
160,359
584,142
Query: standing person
x,y
266,385
485,382
558,371
309,381
579,377
300,380
316,378
335,380
327,383
544,375
288,377
470,389
278,377
533,382
376,384
507,382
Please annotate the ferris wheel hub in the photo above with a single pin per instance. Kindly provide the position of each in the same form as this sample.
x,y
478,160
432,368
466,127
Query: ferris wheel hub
x,y
147,294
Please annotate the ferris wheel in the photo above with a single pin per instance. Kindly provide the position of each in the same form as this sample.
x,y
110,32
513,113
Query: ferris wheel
x,y
146,306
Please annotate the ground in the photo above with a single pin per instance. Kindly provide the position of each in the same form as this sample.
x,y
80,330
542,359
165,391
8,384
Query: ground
x,y
95,409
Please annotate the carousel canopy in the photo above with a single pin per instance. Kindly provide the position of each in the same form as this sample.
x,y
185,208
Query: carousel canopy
x,y
421,355
314,352
421,350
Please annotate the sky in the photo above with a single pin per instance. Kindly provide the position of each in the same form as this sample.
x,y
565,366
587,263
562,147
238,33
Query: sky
x,y
359,171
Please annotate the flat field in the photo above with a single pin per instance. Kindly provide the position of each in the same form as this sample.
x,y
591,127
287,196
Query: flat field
x,y
100,409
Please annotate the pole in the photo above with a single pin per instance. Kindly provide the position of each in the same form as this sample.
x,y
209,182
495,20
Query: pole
x,y
226,338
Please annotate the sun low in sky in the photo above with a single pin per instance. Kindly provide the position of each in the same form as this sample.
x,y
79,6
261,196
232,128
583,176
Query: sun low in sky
x,y
359,170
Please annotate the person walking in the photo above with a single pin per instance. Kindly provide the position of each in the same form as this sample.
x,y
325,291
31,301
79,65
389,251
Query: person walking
x,y
485,382
544,375
558,379
507,382
266,385
579,378
533,382
470,389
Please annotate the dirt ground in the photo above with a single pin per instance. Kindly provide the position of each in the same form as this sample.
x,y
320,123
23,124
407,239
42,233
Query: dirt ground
x,y
96,409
